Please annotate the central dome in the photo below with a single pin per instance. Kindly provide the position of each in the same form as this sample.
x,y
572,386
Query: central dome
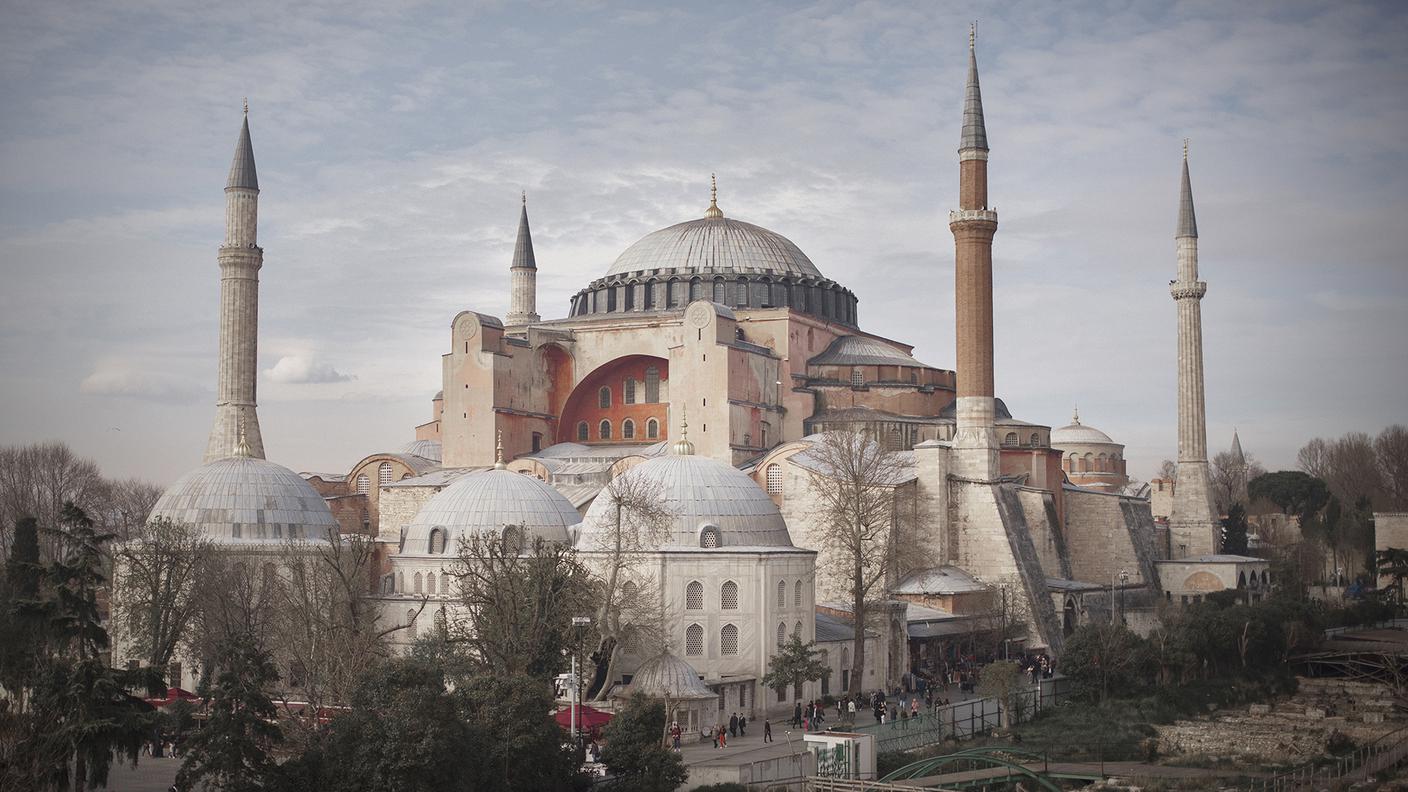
x,y
716,245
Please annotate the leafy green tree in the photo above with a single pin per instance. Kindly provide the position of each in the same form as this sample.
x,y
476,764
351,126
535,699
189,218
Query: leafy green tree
x,y
1002,680
232,752
794,664
635,753
1108,659
1234,530
520,746
1393,562
1296,493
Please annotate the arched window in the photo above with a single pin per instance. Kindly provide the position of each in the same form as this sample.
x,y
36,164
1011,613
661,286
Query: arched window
x,y
845,659
1010,439
513,540
1087,463
445,583
418,582
696,289
781,594
728,596
694,596
628,391
440,620
401,582
742,293
652,385
582,432
603,397
797,594
774,476
781,634
628,592
437,540
430,583
1071,463
1036,439
603,430
411,624
857,378
797,630
719,291
694,640
364,484
764,430
709,537
383,473
652,429
728,640
628,429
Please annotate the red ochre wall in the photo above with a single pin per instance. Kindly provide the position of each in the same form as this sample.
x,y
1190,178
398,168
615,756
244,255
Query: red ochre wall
x,y
583,404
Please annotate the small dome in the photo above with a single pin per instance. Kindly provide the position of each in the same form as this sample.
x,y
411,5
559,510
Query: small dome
x,y
1077,433
716,245
488,501
425,449
243,500
700,492
665,676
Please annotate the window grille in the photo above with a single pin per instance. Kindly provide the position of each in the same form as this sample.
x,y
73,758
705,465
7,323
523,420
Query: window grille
x,y
628,391
364,484
582,432
383,473
728,640
709,538
603,397
781,634
797,630
430,583
694,596
652,429
419,582
604,430
437,540
411,624
775,479
628,429
694,640
652,385
857,378
781,594
728,596
797,594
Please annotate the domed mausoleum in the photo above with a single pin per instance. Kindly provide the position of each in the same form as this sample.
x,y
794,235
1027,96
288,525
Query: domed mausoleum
x,y
1090,457
668,678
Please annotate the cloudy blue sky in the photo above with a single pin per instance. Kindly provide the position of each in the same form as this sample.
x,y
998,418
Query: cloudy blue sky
x,y
393,140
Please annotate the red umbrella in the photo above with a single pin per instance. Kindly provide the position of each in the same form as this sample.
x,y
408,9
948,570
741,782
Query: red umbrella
x,y
173,695
588,718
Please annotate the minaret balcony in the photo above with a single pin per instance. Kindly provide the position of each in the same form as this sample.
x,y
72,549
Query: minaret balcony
x,y
965,215
1184,290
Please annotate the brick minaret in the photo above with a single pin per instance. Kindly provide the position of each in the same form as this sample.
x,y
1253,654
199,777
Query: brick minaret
x,y
523,276
1193,527
973,225
240,260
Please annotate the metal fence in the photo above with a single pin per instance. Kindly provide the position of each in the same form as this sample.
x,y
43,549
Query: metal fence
x,y
1384,753
964,719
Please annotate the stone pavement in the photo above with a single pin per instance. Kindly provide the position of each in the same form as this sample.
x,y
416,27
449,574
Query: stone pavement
x,y
150,775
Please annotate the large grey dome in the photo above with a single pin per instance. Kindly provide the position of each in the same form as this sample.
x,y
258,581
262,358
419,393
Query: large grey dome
x,y
701,493
243,500
716,245
486,502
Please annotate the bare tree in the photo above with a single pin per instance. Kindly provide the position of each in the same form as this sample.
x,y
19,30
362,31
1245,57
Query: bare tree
x,y
155,587
127,505
36,481
625,593
1168,470
1350,466
235,600
518,601
1005,617
1391,451
865,523
1229,478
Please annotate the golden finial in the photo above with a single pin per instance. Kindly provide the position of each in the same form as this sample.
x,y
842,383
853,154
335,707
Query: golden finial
x,y
241,443
972,34
1185,148
499,452
246,105
713,211
682,446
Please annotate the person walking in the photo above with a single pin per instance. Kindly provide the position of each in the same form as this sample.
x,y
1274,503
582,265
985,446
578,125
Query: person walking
x,y
733,725
851,710
767,731
675,733
723,737
797,714
742,724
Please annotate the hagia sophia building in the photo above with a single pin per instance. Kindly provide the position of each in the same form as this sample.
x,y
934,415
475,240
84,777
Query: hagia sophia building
x,y
709,358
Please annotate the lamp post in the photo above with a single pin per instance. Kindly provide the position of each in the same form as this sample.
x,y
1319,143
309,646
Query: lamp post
x,y
578,622
1124,580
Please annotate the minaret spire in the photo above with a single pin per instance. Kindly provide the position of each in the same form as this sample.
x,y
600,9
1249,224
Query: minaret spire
x,y
523,275
973,225
1193,526
236,428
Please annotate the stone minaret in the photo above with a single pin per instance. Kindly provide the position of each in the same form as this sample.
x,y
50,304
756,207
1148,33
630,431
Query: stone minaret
x,y
973,225
1193,527
240,260
523,275
1239,471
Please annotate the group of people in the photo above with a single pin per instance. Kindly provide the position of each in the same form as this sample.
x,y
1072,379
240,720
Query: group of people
x,y
737,727
810,717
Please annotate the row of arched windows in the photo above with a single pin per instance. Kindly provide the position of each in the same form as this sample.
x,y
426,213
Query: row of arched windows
x,y
694,640
694,595
1093,463
1013,440
782,594
628,430
383,477
832,302
423,583
782,632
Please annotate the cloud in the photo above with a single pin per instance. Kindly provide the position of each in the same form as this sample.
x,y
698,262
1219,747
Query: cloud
x,y
303,370
136,380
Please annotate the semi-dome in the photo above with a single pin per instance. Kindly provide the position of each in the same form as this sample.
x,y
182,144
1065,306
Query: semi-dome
x,y
425,449
713,505
487,502
243,500
1077,433
715,245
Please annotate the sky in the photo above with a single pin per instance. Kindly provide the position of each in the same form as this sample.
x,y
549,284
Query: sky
x,y
393,140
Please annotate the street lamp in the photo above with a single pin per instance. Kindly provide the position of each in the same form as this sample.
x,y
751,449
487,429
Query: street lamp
x,y
1124,581
575,690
